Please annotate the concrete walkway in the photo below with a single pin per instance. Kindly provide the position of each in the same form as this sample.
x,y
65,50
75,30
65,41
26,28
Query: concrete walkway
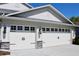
x,y
62,50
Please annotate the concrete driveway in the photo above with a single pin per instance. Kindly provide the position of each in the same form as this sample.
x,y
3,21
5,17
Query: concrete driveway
x,y
62,50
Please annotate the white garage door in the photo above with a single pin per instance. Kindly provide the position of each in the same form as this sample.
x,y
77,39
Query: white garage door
x,y
22,40
52,38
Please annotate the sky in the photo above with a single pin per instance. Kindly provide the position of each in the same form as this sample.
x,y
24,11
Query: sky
x,y
68,9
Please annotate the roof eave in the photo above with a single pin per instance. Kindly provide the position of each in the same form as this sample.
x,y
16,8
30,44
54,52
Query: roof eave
x,y
37,20
53,8
27,4
58,12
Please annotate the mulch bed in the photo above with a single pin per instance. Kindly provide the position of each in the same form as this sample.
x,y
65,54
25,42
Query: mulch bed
x,y
4,53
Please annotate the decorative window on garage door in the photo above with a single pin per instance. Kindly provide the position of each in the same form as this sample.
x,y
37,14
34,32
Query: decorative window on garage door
x,y
47,29
19,27
22,28
13,28
56,29
32,29
26,28
52,29
43,29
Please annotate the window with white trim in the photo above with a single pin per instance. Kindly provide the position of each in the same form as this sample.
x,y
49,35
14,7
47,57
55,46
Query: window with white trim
x,y
32,28
52,29
13,28
43,29
47,29
19,27
26,28
56,29
62,30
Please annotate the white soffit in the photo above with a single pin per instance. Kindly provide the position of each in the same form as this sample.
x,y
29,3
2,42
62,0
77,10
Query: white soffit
x,y
15,6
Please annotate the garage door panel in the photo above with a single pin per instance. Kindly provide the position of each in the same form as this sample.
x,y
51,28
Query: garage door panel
x,y
21,40
51,39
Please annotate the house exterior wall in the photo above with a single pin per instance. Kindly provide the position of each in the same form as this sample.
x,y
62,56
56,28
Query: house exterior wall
x,y
48,38
21,39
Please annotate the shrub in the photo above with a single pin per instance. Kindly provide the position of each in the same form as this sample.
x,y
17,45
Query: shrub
x,y
76,41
